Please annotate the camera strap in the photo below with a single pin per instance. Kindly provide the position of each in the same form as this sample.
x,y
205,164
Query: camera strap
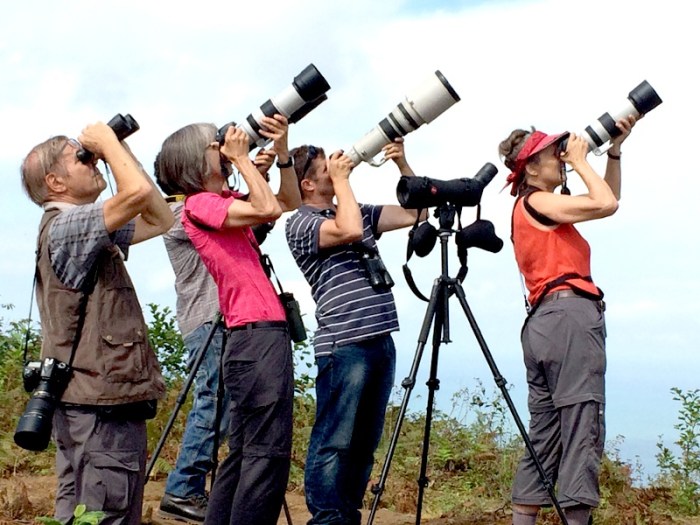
x,y
27,333
86,290
266,263
409,253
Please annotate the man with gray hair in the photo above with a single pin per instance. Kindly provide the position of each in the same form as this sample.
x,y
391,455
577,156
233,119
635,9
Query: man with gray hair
x,y
99,425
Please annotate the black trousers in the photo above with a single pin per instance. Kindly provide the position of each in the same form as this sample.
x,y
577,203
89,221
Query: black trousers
x,y
251,481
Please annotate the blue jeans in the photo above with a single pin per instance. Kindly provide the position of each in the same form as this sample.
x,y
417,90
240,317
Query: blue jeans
x,y
353,386
188,478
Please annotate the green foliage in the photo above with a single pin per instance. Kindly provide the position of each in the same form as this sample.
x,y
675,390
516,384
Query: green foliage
x,y
682,472
12,395
472,457
304,411
167,343
81,514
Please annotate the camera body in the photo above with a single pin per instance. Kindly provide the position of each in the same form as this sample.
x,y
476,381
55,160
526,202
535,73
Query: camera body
x,y
122,125
50,379
31,375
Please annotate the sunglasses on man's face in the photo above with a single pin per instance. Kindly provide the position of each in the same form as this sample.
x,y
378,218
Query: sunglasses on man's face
x,y
311,154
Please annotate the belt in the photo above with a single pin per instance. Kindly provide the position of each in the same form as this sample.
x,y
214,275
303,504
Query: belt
x,y
259,324
562,294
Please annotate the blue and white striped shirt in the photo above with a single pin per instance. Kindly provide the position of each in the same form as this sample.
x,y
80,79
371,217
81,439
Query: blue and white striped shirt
x,y
348,309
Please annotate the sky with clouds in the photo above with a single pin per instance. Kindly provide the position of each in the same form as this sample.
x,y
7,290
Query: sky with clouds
x,y
554,64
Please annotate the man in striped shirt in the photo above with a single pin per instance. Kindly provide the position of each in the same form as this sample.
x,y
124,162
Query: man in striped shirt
x,y
335,246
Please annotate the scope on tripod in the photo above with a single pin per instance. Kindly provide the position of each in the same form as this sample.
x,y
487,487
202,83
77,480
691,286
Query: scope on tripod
x,y
424,192
424,105
641,100
304,94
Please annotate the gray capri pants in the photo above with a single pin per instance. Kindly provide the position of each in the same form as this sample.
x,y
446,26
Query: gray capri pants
x,y
564,352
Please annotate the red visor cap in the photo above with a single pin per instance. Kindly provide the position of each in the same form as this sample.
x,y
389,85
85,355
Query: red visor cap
x,y
536,142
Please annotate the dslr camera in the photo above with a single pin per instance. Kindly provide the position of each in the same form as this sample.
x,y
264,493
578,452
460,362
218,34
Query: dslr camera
x,y
47,379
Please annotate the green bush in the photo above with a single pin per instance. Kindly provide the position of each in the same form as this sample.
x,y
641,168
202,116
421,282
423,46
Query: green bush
x,y
681,473
473,452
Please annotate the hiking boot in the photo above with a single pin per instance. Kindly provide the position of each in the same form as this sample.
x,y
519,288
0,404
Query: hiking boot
x,y
190,509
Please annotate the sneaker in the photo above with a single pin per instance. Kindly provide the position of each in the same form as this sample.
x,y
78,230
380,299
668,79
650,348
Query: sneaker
x,y
190,509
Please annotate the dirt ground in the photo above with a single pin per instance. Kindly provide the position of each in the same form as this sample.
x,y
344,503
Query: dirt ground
x,y
24,497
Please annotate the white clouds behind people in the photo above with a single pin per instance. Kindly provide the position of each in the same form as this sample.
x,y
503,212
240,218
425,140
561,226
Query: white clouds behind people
x,y
554,64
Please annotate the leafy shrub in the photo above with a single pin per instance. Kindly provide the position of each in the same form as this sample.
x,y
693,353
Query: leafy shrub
x,y
681,473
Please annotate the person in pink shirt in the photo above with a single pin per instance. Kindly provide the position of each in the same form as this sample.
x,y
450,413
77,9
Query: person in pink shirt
x,y
257,360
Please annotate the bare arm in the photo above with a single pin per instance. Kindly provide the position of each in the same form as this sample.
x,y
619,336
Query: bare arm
x,y
347,225
394,217
261,205
599,202
613,173
137,197
277,129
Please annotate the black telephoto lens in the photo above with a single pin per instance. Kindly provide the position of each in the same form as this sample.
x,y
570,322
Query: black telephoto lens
x,y
34,426
644,98
310,83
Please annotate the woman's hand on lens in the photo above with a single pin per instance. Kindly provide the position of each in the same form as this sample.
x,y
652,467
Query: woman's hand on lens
x,y
263,161
277,129
236,144
576,150
625,125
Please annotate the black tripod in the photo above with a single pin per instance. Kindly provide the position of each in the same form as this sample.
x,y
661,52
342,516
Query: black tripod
x,y
182,396
437,315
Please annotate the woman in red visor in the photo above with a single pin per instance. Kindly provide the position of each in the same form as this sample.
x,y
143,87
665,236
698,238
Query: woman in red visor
x,y
564,334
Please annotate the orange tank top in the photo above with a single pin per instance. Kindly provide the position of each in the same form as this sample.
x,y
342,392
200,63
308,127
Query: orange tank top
x,y
545,256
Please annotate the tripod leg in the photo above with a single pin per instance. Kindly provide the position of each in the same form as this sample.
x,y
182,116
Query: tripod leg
x,y
408,383
287,514
433,385
182,396
502,385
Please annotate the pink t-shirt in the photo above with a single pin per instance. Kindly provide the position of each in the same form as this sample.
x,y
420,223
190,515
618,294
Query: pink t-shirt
x,y
231,255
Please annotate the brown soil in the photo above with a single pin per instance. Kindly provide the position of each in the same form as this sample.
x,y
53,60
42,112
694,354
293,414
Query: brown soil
x,y
22,498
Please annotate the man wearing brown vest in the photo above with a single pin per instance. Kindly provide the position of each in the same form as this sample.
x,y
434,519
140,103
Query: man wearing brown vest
x,y
99,425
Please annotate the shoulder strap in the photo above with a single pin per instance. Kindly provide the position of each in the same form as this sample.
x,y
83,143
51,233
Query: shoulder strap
x,y
539,217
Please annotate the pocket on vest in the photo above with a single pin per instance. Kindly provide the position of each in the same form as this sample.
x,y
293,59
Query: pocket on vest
x,y
124,357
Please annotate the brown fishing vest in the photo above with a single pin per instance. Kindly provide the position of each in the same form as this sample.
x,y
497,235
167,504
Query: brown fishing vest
x,y
114,363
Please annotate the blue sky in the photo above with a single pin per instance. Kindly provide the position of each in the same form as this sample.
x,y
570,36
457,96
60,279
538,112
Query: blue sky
x,y
553,64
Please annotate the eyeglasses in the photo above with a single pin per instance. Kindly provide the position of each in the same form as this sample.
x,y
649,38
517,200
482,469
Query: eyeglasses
x,y
311,154
75,145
